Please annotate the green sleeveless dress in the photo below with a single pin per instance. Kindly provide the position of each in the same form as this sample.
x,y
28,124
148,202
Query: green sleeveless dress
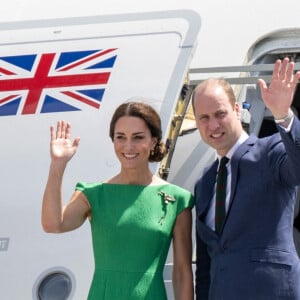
x,y
132,230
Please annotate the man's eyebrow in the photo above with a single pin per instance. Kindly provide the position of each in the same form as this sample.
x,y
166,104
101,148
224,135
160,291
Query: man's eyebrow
x,y
202,115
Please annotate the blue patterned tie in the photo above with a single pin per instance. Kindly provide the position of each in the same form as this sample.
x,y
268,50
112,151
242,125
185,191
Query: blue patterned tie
x,y
220,211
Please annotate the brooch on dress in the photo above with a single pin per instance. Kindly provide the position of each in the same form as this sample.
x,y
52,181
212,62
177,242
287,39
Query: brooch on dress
x,y
166,199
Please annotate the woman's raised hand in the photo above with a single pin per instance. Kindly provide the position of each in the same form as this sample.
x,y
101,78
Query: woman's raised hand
x,y
62,148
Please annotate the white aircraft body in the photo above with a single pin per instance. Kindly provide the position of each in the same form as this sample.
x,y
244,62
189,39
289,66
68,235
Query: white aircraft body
x,y
78,61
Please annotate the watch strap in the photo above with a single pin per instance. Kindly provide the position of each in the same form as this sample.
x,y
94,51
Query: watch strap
x,y
285,119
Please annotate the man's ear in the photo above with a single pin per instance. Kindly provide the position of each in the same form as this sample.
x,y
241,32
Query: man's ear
x,y
237,110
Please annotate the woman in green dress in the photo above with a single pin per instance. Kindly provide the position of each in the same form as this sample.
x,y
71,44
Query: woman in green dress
x,y
134,216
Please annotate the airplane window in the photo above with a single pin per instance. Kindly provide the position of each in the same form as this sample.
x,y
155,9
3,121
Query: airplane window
x,y
56,286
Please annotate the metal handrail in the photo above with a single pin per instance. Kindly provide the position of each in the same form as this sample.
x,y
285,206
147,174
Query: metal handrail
x,y
242,69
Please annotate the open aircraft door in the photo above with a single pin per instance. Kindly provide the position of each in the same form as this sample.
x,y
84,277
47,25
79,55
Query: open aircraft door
x,y
259,63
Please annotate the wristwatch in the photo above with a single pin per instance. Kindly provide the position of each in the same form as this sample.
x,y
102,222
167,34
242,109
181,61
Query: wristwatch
x,y
286,119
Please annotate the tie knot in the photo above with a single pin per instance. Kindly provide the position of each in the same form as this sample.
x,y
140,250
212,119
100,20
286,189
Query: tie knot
x,y
223,161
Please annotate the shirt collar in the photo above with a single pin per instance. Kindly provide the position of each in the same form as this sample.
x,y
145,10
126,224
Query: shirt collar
x,y
243,137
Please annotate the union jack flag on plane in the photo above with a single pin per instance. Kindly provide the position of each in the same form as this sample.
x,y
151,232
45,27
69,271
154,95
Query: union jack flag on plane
x,y
54,82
